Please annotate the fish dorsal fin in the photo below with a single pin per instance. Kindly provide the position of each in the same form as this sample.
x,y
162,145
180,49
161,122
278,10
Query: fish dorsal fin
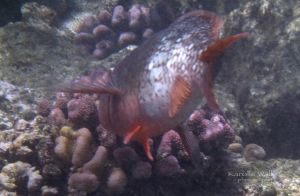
x,y
97,82
217,47
180,92
215,21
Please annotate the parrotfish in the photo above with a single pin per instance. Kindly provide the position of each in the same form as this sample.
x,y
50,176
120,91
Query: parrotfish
x,y
158,85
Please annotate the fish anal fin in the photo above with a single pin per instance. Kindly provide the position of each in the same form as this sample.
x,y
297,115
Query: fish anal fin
x,y
145,141
137,134
217,47
132,134
180,92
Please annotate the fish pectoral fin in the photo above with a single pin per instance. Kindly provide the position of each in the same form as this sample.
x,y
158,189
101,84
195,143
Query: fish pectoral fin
x,y
94,83
217,47
180,92
136,134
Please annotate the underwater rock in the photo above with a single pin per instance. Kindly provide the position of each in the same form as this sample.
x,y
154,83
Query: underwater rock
x,y
14,102
235,147
18,174
271,177
35,13
50,191
253,152
263,74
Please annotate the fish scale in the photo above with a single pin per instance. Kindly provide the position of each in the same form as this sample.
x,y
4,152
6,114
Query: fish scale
x,y
160,83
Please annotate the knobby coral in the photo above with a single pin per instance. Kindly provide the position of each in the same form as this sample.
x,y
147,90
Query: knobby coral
x,y
108,32
105,164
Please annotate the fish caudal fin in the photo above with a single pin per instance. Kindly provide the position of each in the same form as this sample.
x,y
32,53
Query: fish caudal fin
x,y
97,82
180,92
136,134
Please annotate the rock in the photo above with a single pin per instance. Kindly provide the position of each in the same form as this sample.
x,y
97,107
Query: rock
x,y
262,74
235,147
20,174
49,191
253,152
21,125
269,191
237,139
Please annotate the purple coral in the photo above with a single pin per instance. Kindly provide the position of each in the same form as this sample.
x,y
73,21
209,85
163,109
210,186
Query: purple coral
x,y
142,170
168,166
204,131
61,101
82,111
44,107
106,33
126,156
170,142
211,128
57,117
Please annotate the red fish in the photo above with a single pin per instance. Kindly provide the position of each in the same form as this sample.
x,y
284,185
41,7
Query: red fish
x,y
160,83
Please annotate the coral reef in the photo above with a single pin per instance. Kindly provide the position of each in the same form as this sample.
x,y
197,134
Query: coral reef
x,y
129,163
34,52
108,32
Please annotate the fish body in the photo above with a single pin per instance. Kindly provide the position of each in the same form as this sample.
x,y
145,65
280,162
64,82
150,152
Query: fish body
x,y
161,82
